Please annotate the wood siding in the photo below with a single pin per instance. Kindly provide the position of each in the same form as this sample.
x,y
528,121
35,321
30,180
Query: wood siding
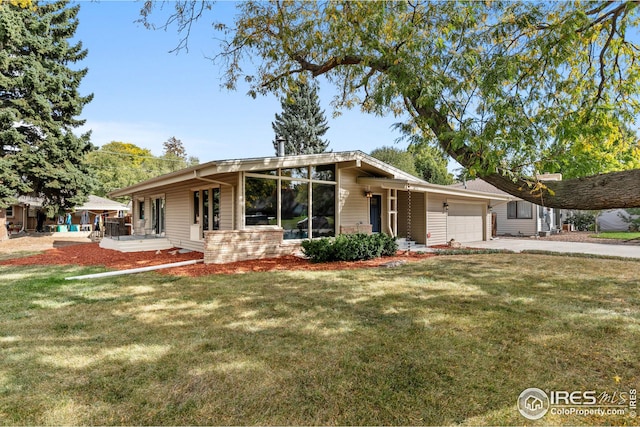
x,y
437,220
179,210
352,204
514,227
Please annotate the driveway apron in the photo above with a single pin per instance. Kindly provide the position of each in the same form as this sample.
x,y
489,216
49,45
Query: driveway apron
x,y
519,245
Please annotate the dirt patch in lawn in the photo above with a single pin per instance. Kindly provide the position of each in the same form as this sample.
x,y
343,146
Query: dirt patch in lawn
x,y
91,254
34,242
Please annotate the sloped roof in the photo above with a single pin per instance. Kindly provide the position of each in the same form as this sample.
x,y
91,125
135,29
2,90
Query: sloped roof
x,y
264,163
479,185
95,203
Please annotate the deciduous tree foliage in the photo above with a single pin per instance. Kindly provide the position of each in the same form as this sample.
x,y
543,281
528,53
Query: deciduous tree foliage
x,y
397,157
121,164
508,89
39,105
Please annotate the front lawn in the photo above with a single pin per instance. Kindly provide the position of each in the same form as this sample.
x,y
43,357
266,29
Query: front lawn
x,y
448,340
618,235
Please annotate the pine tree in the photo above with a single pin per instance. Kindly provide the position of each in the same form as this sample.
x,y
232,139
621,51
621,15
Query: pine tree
x,y
39,105
302,123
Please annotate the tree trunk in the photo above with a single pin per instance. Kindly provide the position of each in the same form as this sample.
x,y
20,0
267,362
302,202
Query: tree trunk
x,y
4,235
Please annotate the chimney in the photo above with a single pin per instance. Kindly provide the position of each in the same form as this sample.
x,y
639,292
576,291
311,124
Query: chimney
x,y
280,141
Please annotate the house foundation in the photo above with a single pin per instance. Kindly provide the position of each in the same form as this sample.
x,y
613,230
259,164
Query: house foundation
x,y
225,246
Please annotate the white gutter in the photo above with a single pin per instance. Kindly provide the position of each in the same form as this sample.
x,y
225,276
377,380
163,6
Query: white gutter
x,y
135,270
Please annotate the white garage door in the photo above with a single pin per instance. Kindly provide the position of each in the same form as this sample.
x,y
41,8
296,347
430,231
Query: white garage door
x,y
464,222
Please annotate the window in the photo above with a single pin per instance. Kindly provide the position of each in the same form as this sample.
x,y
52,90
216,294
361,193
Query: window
x,y
261,201
294,213
196,207
206,208
519,210
303,206
140,209
9,211
296,172
324,172
324,203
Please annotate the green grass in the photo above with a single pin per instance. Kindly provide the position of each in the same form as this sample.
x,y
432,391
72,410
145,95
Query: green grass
x,y
618,235
449,340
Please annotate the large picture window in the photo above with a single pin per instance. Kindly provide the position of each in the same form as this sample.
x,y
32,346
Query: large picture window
x,y
261,201
519,210
294,200
324,216
300,200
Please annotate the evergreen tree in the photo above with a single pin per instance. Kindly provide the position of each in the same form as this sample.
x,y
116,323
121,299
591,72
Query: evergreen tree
x,y
175,156
302,123
39,106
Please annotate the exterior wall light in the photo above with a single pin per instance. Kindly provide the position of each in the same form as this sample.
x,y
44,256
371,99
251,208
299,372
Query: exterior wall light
x,y
368,194
445,207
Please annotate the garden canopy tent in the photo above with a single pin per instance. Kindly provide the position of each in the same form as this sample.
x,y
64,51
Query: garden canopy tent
x,y
95,203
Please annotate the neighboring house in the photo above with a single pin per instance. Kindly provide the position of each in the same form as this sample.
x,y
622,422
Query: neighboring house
x,y
23,216
517,217
253,208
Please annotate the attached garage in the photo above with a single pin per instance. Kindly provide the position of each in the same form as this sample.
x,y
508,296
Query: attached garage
x,y
465,222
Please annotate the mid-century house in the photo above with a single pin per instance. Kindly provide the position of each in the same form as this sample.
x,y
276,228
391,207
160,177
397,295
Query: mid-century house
x,y
517,217
260,207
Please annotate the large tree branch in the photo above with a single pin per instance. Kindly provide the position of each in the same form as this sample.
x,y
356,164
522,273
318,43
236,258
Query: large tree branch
x,y
605,191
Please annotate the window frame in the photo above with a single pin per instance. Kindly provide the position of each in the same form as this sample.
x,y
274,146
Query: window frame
x,y
279,178
518,212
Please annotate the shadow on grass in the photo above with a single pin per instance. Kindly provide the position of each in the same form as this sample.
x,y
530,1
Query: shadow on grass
x,y
444,341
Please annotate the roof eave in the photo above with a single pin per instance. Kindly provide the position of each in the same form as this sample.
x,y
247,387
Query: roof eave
x,y
406,185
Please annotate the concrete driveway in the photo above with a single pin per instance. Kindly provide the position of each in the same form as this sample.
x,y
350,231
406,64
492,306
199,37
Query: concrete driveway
x,y
518,245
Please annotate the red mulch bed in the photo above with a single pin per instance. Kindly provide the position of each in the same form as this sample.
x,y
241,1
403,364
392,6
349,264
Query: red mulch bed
x,y
90,254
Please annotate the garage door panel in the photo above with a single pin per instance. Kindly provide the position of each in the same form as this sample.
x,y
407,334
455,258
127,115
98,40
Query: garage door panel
x,y
464,222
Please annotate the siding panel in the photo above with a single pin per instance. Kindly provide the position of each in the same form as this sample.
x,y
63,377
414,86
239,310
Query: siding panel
x,y
352,204
436,220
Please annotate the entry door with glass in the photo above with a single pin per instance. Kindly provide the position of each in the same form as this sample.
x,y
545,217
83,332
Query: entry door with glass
x,y
158,215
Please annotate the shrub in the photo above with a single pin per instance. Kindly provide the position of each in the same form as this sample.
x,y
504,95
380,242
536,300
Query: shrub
x,y
583,220
349,247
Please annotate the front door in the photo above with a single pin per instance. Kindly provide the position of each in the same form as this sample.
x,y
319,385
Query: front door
x,y
375,213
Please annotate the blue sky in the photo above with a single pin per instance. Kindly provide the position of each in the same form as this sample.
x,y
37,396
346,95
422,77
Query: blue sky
x,y
144,95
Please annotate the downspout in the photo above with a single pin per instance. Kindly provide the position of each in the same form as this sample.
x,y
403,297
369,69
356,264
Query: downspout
x,y
136,270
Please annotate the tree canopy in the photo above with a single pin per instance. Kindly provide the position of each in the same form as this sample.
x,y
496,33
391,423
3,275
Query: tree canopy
x,y
40,104
121,164
419,160
508,89
397,157
302,123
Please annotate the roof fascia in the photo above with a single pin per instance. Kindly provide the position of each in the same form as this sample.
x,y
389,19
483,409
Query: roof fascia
x,y
402,184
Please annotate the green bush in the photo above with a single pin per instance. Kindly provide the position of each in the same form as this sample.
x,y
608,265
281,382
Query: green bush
x,y
583,220
349,247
